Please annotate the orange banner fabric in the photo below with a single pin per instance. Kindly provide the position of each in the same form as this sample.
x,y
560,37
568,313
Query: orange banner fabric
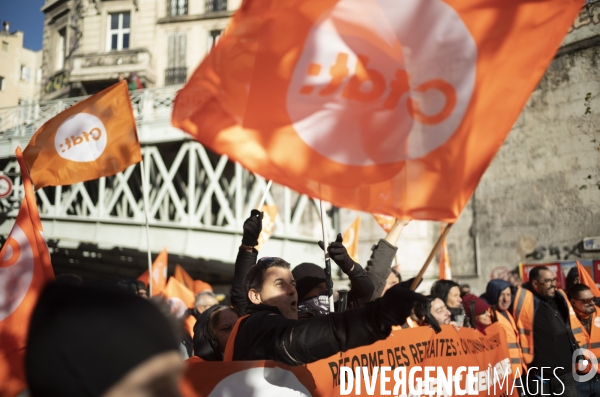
x,y
94,138
406,348
350,239
371,106
183,277
24,270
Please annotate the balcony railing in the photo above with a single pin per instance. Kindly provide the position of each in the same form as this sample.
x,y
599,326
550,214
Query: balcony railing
x,y
177,7
175,75
216,5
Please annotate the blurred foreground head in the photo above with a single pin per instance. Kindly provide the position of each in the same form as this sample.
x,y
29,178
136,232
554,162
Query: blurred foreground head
x,y
86,341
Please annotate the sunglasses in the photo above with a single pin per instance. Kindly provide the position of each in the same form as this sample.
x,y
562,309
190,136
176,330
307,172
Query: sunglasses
x,y
586,301
262,264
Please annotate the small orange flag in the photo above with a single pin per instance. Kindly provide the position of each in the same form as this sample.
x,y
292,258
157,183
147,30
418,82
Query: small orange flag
x,y
96,137
385,221
350,239
183,277
444,261
159,272
585,278
175,290
144,278
268,224
25,268
201,286
369,105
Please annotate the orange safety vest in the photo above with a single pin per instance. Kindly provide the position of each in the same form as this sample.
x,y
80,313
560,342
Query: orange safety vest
x,y
228,355
591,341
513,341
523,313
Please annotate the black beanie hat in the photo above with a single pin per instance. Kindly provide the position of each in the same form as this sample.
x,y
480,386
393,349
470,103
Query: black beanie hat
x,y
83,340
307,276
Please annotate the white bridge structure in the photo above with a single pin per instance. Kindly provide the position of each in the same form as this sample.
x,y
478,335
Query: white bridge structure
x,y
198,201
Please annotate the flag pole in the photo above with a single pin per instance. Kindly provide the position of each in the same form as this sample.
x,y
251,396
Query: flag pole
x,y
146,215
328,278
264,196
419,277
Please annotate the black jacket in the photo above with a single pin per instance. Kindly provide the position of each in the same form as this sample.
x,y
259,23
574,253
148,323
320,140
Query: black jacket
x,y
267,335
244,261
362,287
379,266
551,328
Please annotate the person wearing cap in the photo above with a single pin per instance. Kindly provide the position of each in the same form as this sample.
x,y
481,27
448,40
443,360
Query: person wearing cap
x,y
100,342
478,311
311,283
272,331
499,294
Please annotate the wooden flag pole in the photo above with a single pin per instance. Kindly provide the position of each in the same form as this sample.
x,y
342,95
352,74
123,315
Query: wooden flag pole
x,y
264,196
328,278
147,215
435,249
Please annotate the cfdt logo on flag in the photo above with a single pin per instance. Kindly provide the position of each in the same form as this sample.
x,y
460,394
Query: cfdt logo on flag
x,y
401,76
585,365
80,138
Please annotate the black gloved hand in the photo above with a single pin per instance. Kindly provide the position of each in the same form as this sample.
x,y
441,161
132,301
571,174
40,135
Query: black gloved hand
x,y
397,303
252,229
339,254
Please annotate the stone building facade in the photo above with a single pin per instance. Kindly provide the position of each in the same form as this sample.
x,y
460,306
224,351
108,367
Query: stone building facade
x,y
20,74
91,44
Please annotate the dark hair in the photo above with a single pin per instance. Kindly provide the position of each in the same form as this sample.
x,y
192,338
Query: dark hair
x,y
441,289
423,308
534,274
571,276
132,285
255,277
213,319
575,289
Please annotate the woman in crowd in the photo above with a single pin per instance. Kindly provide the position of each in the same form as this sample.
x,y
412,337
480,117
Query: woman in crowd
x,y
212,331
478,310
449,292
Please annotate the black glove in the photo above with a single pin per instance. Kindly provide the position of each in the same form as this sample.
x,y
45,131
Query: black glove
x,y
397,303
339,254
252,229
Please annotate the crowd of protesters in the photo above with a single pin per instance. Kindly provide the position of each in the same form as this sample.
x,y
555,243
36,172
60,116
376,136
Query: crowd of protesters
x,y
284,314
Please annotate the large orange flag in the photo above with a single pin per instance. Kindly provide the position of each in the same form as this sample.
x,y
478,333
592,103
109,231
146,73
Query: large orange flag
x,y
183,277
159,272
585,278
371,105
94,138
350,239
24,270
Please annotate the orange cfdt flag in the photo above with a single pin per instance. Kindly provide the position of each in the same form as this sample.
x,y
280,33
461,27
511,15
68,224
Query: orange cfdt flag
x,y
159,272
183,277
444,260
25,268
94,138
368,105
585,278
350,239
201,286
268,224
385,221
175,290
144,278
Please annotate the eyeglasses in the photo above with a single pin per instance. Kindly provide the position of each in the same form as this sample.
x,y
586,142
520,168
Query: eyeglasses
x,y
586,301
548,281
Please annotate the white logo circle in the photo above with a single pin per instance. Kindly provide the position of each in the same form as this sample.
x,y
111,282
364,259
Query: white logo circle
x,y
380,81
583,360
80,138
16,278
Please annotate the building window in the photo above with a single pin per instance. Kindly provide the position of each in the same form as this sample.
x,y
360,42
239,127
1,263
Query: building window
x,y
5,46
38,75
176,72
61,48
177,7
213,38
2,79
215,5
25,73
118,31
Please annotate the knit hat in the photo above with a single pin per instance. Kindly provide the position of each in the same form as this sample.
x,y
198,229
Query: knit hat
x,y
307,276
480,305
83,340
